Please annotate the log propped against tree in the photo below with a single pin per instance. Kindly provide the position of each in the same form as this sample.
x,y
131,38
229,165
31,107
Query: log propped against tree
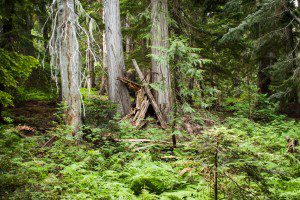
x,y
144,98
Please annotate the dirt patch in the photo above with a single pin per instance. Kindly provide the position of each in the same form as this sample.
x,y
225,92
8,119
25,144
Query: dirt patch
x,y
37,114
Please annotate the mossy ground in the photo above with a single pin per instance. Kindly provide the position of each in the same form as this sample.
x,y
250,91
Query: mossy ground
x,y
253,159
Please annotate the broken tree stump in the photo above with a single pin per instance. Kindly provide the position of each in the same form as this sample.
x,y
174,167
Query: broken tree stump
x,y
155,106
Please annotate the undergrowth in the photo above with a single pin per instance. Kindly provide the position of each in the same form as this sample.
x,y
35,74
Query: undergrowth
x,y
253,162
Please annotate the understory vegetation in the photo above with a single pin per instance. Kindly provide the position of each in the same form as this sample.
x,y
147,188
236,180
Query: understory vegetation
x,y
253,159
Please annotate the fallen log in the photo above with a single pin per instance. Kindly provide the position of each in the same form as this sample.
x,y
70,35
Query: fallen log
x,y
141,140
155,106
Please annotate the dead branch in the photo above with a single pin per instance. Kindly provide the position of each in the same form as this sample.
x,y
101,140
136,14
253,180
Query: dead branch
x,y
50,142
130,84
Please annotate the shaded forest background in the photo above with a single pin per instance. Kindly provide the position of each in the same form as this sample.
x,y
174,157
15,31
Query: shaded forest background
x,y
229,95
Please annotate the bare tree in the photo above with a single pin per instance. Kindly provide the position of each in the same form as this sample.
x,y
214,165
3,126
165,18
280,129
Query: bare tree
x,y
118,93
160,66
103,86
70,68
65,54
90,79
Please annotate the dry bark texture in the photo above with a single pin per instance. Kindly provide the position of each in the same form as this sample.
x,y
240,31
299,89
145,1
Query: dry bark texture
x,y
69,64
103,86
118,93
90,78
160,66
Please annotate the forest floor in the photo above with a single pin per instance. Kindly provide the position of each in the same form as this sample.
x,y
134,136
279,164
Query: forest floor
x,y
37,114
253,158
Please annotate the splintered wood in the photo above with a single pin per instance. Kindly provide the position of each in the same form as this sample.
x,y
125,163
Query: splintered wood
x,y
146,88
142,105
144,98
138,114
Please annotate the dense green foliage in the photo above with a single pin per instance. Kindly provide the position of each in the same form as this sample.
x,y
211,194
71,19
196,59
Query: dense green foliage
x,y
14,70
235,76
253,164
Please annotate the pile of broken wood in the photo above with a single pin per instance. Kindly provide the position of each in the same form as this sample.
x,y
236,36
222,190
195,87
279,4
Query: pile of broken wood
x,y
144,98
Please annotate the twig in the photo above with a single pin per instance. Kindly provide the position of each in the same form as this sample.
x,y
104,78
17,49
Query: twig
x,y
50,142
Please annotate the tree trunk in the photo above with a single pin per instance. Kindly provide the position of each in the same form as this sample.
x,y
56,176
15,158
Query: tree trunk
x,y
103,86
264,79
118,92
29,48
293,57
69,65
264,61
90,72
45,30
176,15
128,38
160,66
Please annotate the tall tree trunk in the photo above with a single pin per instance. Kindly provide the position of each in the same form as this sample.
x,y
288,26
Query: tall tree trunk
x,y
118,93
103,86
90,72
176,15
29,48
292,52
264,61
69,65
45,27
160,66
264,79
128,38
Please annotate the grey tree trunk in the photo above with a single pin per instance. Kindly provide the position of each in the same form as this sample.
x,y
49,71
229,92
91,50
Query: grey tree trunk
x,y
118,93
128,38
103,86
69,64
90,72
159,42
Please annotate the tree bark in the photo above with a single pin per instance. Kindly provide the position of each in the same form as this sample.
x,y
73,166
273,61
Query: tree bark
x,y
69,65
118,92
264,61
128,38
292,51
90,72
29,48
45,29
103,86
160,66
264,79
